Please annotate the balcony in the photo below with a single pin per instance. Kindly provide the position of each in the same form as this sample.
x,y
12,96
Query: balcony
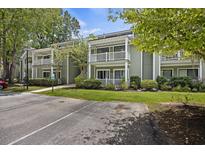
x,y
42,62
108,56
178,61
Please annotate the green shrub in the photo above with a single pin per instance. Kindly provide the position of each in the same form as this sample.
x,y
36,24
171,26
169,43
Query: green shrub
x,y
194,90
91,84
181,89
123,85
42,82
180,81
196,85
133,85
161,81
110,86
79,81
149,84
202,89
165,87
135,82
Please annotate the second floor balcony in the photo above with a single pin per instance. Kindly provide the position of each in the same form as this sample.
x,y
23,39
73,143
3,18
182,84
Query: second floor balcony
x,y
109,56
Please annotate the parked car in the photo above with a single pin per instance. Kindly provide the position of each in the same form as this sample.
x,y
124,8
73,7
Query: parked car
x,y
3,84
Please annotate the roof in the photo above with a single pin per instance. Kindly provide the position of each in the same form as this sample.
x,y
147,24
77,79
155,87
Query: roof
x,y
114,34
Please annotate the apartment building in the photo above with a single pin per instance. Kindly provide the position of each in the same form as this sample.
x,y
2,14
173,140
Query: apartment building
x,y
41,64
112,58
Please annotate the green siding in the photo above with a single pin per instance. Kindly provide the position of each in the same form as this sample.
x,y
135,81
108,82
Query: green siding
x,y
147,66
135,64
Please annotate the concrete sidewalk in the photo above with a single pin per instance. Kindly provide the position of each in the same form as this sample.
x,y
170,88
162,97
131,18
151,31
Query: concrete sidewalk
x,y
55,87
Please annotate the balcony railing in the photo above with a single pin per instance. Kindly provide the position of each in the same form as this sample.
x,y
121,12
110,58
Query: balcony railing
x,y
108,56
42,62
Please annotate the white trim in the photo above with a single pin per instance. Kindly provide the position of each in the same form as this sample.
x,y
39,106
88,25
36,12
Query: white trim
x,y
32,69
141,71
68,69
200,70
52,59
89,58
153,71
97,70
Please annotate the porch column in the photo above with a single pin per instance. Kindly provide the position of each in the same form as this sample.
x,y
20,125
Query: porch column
x,y
52,62
126,60
141,67
200,70
68,68
89,59
159,65
153,67
32,65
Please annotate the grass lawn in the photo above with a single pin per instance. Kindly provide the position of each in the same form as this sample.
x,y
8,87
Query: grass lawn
x,y
16,88
149,98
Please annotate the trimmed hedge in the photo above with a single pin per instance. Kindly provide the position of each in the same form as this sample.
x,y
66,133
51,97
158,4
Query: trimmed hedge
x,y
181,89
149,84
110,86
91,84
42,82
180,81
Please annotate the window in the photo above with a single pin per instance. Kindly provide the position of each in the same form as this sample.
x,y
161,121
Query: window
x,y
167,73
192,73
103,74
119,48
46,74
119,74
46,57
103,50
58,75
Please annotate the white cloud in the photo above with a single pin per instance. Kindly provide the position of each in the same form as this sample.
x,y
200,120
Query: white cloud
x,y
82,23
86,32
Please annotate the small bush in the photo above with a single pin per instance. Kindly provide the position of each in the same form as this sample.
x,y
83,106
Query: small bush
x,y
194,90
135,82
202,89
123,85
161,81
196,85
133,85
42,82
91,84
180,81
110,86
182,89
165,87
79,81
149,84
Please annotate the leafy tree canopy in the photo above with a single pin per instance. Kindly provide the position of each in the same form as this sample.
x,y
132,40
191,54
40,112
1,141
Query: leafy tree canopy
x,y
166,31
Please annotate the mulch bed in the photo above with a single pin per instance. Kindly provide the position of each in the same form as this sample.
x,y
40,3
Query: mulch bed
x,y
180,124
183,124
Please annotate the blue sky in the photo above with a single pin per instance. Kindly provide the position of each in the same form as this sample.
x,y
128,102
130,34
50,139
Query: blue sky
x,y
94,20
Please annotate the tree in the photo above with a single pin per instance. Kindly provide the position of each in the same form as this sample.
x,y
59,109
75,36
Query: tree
x,y
37,28
166,31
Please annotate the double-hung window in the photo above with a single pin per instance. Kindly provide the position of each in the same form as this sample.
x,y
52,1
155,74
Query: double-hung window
x,y
103,74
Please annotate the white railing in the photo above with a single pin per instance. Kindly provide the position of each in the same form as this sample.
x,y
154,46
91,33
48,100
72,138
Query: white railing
x,y
108,56
42,61
170,58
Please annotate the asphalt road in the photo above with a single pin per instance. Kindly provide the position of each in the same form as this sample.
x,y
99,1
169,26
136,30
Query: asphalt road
x,y
38,119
